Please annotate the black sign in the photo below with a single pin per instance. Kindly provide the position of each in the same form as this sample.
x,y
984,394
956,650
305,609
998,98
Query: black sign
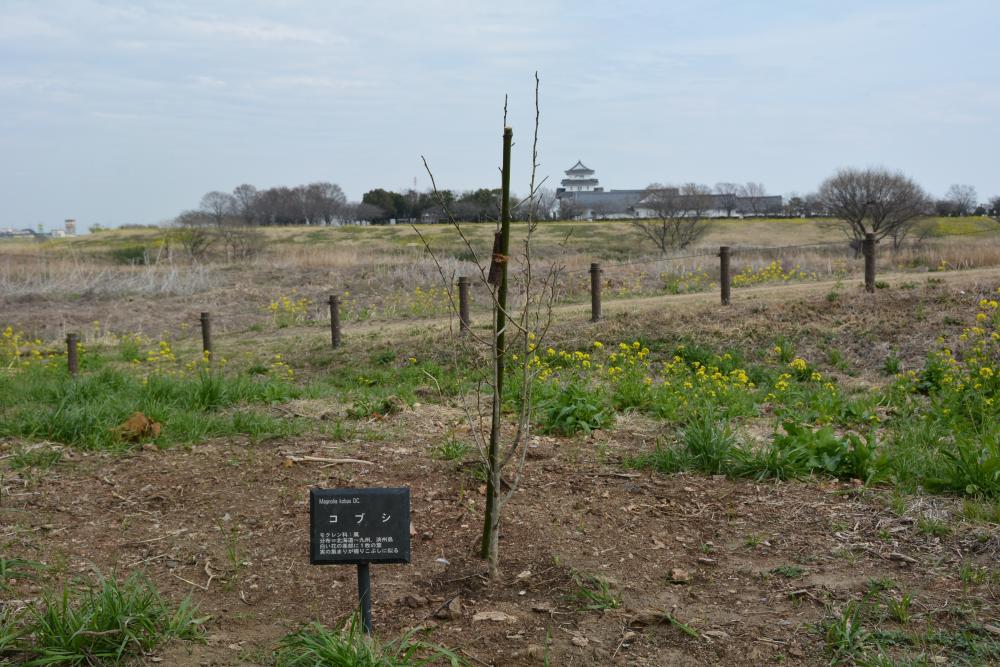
x,y
359,526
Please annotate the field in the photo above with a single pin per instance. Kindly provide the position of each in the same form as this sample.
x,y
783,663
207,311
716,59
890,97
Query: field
x,y
808,476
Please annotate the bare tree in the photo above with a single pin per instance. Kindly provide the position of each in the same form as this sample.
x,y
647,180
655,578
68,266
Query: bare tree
x,y
728,194
193,230
227,215
678,215
218,206
814,204
963,198
522,309
546,204
753,195
359,212
245,197
324,202
994,208
570,209
887,204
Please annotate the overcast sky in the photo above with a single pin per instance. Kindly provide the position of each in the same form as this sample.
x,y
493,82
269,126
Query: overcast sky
x,y
115,112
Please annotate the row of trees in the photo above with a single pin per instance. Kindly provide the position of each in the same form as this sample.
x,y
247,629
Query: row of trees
x,y
959,200
885,203
480,205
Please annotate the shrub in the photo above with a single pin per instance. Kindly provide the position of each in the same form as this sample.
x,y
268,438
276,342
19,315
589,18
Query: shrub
x,y
130,254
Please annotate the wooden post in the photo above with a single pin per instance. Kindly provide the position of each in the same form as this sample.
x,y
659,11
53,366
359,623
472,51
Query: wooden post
x,y
72,359
595,291
724,279
463,304
334,321
206,335
868,248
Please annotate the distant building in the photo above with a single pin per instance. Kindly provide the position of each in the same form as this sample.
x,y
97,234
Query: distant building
x,y
582,198
10,232
70,227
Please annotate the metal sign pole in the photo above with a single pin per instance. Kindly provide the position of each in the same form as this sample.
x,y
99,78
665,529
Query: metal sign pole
x,y
365,597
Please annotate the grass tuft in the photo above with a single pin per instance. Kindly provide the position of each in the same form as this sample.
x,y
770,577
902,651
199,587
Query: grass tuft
x,y
108,624
318,646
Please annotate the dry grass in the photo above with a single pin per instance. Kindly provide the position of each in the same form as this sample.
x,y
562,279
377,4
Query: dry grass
x,y
22,276
379,263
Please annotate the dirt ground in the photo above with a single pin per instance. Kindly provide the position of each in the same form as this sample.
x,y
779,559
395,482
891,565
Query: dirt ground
x,y
745,570
227,522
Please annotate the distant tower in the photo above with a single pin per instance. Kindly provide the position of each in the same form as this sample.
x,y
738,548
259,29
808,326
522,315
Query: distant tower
x,y
70,227
579,178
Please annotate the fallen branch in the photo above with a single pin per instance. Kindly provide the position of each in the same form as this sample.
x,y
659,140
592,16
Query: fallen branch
x,y
323,459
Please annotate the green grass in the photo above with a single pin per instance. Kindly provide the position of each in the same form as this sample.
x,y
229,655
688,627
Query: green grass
x,y
43,404
930,429
107,624
847,640
451,449
595,593
318,646
789,571
17,568
38,458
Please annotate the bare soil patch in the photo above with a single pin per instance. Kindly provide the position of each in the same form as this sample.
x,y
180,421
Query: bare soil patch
x,y
750,568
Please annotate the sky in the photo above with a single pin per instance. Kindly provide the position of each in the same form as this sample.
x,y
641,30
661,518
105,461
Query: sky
x,y
115,111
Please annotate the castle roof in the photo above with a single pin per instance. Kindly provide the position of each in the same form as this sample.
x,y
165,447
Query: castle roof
x,y
579,169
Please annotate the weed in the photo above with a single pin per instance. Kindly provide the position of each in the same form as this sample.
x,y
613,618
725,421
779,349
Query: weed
x,y
753,540
891,365
878,585
341,431
982,510
17,568
835,358
368,407
107,624
784,349
899,610
595,592
575,409
975,575
709,445
801,451
452,449
846,639
41,458
234,556
789,571
928,525
10,632
683,627
317,645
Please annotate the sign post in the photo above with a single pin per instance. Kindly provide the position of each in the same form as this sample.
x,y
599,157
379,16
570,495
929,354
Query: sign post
x,y
359,527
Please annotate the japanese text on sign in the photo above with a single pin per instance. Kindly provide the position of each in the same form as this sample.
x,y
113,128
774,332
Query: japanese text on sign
x,y
360,525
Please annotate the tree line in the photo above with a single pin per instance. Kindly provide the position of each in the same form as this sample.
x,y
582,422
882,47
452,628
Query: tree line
x,y
885,203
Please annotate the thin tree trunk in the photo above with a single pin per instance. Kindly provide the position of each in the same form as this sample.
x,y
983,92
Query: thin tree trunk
x,y
491,523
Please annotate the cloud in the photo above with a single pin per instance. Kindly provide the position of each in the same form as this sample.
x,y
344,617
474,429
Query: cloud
x,y
249,31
